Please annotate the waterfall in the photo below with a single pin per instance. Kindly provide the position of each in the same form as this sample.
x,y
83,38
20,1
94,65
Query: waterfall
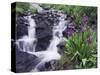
x,y
28,42
52,51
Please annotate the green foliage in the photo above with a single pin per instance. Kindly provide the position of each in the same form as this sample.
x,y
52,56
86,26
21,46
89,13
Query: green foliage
x,y
64,59
24,7
21,7
78,11
32,9
81,51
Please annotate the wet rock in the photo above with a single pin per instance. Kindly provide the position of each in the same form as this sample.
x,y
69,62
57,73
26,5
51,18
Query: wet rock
x,y
25,62
43,32
43,43
44,25
61,47
21,27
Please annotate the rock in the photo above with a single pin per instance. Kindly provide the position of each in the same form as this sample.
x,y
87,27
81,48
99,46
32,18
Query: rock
x,y
61,47
43,32
44,29
43,43
21,27
25,62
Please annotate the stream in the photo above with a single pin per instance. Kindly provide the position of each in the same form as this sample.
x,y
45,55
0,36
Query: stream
x,y
38,39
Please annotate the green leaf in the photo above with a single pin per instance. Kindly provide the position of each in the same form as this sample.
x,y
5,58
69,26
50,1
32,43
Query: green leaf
x,y
84,61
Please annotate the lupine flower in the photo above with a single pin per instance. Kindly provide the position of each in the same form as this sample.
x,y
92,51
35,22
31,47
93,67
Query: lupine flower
x,y
85,19
89,40
70,30
82,28
84,23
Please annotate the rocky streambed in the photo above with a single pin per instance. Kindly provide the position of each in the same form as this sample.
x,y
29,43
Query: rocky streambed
x,y
40,40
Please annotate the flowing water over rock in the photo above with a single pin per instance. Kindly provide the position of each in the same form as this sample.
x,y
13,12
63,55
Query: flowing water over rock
x,y
39,36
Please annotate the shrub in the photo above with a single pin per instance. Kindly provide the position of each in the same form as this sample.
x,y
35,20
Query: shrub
x,y
81,47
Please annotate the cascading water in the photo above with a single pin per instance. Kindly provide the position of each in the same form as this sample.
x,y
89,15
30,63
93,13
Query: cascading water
x,y
52,51
28,42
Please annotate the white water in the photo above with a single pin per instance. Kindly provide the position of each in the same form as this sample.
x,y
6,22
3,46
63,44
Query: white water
x,y
52,51
28,40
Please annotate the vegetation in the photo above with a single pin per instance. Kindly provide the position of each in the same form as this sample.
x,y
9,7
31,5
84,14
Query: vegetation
x,y
24,7
21,7
81,47
76,12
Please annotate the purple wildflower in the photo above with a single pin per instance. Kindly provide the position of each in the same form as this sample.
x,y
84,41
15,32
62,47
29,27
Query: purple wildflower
x,y
82,28
70,30
89,40
85,19
84,23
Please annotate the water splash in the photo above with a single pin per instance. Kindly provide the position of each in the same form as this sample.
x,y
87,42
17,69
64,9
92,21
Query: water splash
x,y
28,42
52,51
